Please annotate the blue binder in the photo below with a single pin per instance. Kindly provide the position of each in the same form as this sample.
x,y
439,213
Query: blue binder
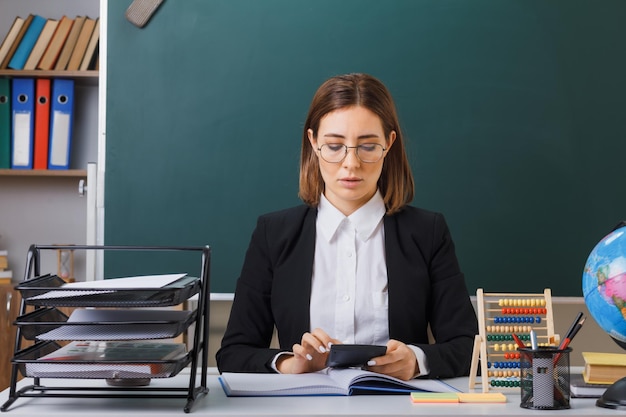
x,y
5,123
27,43
61,121
23,122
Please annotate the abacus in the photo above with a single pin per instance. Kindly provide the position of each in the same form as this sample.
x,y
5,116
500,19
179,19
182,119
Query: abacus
x,y
500,315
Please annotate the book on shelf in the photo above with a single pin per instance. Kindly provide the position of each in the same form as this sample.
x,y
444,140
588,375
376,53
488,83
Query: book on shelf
x,y
139,357
581,389
16,42
10,37
27,43
52,52
22,122
5,123
61,123
70,43
81,44
330,381
4,262
603,368
88,61
41,137
6,276
42,43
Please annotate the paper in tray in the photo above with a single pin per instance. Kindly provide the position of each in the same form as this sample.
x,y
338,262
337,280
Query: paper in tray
x,y
50,290
121,324
104,324
30,364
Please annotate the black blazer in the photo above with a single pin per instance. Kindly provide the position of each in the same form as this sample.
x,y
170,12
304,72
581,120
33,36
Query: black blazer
x,y
425,286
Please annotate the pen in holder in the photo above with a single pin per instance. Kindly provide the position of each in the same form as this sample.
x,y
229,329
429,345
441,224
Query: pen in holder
x,y
545,375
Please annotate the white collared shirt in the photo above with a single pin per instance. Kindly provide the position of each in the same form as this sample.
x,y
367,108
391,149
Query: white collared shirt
x,y
349,298
349,285
350,268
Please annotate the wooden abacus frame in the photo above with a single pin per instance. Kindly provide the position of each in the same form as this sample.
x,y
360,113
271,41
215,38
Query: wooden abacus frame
x,y
491,307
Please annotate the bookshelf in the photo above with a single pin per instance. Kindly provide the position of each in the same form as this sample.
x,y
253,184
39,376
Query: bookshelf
x,y
89,77
51,198
76,173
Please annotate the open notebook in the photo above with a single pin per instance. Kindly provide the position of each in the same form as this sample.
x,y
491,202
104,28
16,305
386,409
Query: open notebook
x,y
330,381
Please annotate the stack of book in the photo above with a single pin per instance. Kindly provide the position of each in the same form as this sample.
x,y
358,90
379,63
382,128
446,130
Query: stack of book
x,y
5,274
603,368
38,43
581,389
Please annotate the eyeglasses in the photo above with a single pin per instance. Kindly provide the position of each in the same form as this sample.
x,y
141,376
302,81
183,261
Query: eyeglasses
x,y
337,152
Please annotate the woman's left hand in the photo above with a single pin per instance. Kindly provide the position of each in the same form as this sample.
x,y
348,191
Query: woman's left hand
x,y
399,361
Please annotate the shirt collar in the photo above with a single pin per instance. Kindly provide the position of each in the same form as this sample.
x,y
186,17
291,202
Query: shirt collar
x,y
365,219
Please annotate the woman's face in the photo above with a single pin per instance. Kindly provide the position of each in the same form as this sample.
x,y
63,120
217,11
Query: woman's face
x,y
350,183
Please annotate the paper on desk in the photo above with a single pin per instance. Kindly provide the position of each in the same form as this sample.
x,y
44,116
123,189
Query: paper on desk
x,y
458,397
110,285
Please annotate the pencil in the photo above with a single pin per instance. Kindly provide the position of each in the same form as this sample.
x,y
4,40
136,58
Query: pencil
x,y
568,334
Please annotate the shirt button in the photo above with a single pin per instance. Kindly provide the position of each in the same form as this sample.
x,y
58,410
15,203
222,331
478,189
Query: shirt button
x,y
349,254
346,298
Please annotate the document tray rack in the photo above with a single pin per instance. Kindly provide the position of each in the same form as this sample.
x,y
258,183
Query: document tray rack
x,y
110,317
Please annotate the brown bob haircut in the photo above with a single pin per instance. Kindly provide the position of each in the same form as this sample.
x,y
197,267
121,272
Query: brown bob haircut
x,y
396,180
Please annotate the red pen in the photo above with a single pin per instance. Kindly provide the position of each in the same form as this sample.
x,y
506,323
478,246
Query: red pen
x,y
518,341
568,340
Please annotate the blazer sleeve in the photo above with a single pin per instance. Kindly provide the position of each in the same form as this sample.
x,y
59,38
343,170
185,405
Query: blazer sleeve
x,y
250,326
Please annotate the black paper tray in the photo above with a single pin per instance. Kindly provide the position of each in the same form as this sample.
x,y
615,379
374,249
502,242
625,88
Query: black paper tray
x,y
29,366
104,324
47,290
40,321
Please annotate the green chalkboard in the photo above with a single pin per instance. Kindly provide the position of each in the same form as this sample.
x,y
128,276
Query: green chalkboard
x,y
515,114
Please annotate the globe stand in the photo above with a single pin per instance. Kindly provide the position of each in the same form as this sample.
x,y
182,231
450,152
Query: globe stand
x,y
615,396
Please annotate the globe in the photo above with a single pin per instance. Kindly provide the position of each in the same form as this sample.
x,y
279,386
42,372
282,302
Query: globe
x,y
604,284
604,290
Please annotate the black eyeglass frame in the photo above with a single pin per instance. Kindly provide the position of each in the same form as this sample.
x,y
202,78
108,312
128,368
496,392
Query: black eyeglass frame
x,y
356,152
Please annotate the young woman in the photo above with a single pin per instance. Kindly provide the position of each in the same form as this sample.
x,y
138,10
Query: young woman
x,y
356,263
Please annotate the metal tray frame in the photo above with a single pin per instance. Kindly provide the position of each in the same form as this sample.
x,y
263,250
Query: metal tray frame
x,y
197,357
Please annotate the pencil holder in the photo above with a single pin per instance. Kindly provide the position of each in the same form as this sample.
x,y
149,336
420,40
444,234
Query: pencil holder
x,y
545,378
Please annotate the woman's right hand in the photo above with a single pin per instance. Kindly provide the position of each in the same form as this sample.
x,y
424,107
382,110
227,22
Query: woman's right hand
x,y
309,355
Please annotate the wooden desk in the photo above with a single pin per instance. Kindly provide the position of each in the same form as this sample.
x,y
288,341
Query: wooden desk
x,y
217,404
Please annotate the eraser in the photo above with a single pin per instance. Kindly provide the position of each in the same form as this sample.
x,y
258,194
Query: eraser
x,y
140,11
